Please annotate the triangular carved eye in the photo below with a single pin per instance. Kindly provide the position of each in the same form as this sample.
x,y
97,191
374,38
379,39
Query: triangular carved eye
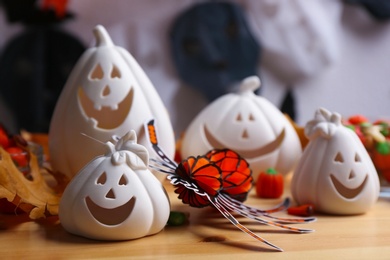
x,y
239,118
97,72
339,158
115,73
123,180
357,158
102,178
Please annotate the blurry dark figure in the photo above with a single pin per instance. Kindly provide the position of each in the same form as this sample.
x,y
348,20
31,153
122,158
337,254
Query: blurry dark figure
x,y
379,9
213,48
35,64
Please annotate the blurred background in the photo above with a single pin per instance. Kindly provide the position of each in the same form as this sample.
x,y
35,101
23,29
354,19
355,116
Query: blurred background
x,y
308,54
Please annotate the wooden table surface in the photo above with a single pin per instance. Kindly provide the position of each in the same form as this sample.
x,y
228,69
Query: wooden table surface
x,y
209,235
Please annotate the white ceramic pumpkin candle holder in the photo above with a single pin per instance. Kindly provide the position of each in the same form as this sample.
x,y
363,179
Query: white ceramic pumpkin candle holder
x,y
335,173
106,94
115,196
248,124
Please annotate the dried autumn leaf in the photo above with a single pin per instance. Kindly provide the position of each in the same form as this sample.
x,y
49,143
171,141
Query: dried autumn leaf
x,y
35,196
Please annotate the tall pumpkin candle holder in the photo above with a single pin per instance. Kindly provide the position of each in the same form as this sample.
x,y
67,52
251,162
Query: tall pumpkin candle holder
x,y
106,94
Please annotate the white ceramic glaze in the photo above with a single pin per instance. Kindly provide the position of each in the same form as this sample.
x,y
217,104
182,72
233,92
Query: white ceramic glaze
x,y
115,196
335,173
248,124
106,94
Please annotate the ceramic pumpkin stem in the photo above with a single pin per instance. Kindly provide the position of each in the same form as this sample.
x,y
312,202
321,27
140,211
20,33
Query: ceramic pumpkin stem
x,y
250,84
102,37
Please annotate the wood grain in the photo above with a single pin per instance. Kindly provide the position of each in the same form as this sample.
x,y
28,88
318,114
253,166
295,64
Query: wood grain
x,y
208,234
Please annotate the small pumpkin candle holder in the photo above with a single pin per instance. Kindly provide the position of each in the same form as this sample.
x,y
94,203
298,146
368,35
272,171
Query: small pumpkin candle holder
x,y
115,196
247,124
335,172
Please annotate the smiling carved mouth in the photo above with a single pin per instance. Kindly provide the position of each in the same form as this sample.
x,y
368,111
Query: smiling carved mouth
x,y
248,154
346,192
106,117
113,216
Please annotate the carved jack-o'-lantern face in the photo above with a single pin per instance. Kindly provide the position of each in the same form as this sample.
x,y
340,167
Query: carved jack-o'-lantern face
x,y
335,172
115,196
247,124
346,169
109,188
351,184
112,194
247,141
104,94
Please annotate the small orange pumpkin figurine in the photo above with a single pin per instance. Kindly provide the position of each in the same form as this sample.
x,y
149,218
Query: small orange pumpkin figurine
x,y
270,184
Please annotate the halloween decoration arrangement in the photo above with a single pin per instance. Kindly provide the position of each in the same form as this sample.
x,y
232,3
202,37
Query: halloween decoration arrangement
x,y
335,173
106,94
115,196
222,179
375,137
23,187
213,47
35,64
248,124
